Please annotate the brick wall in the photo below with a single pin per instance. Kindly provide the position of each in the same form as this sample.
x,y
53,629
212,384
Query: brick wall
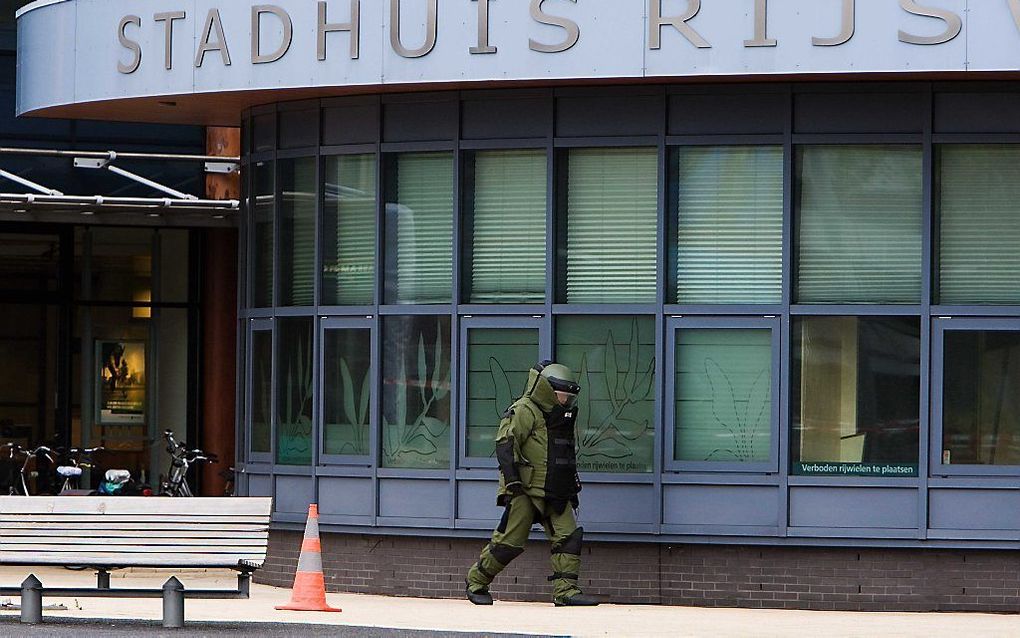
x,y
693,575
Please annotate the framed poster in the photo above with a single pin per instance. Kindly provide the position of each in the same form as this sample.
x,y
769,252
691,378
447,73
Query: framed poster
x,y
120,381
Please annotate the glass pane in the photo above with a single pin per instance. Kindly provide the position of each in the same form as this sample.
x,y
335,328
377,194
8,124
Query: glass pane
x,y
730,225
508,227
297,231
261,390
855,396
29,262
347,383
611,225
859,224
980,404
174,246
348,231
416,392
723,395
499,360
614,358
979,225
261,258
121,267
419,230
294,391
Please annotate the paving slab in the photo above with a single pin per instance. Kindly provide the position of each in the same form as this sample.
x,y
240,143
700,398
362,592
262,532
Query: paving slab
x,y
533,619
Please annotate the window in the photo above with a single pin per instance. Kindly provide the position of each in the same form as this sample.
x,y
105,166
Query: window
x,y
294,400
614,358
610,247
855,396
723,395
508,227
419,230
347,390
297,231
979,225
859,215
498,363
416,392
348,230
980,404
262,236
729,225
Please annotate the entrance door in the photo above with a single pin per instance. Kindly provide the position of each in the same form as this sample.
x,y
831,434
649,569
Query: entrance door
x,y
975,403
722,394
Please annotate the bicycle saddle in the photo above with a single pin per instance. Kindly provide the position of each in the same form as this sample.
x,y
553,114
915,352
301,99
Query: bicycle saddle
x,y
69,471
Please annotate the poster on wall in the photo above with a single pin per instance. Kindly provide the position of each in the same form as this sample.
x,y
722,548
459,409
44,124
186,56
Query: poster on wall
x,y
121,380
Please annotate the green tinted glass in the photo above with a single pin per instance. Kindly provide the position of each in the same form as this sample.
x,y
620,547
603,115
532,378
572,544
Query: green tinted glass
x,y
263,214
261,390
348,230
499,360
723,395
347,390
294,396
297,231
508,227
615,361
416,405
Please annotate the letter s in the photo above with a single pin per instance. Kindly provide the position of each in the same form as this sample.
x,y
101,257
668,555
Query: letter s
x,y
129,44
573,31
953,24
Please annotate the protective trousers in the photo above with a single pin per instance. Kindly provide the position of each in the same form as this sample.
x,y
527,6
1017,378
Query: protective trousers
x,y
512,533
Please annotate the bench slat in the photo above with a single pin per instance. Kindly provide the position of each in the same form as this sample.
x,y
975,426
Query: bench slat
x,y
19,533
133,549
65,541
133,505
92,518
147,528
113,559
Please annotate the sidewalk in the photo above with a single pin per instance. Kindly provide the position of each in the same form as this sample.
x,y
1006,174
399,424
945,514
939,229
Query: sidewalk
x,y
522,618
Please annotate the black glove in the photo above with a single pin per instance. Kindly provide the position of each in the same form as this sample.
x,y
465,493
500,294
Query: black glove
x,y
515,488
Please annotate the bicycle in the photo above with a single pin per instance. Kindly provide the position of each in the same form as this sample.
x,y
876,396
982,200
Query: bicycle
x,y
78,459
41,452
181,460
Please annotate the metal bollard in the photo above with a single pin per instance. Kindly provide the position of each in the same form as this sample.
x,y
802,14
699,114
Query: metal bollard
x,y
31,601
173,604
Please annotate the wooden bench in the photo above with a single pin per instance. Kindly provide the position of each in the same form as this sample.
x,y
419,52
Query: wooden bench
x,y
104,533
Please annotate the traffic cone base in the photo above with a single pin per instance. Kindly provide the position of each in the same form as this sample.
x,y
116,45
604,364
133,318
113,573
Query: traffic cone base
x,y
309,583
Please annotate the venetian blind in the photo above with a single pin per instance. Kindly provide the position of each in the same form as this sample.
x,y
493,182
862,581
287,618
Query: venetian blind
x,y
859,224
612,225
297,232
349,231
730,225
508,227
264,207
979,225
424,228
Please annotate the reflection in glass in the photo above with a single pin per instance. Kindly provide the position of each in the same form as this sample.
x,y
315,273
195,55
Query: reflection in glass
x,y
297,231
979,224
419,230
855,395
859,224
294,391
262,236
416,392
348,230
611,225
729,225
499,360
508,229
347,388
981,405
723,395
614,358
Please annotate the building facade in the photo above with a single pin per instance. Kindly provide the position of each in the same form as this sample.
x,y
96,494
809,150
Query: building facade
x,y
781,260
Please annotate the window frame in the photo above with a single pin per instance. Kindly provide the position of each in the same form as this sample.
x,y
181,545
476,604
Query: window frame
x,y
940,326
468,323
260,325
319,432
673,326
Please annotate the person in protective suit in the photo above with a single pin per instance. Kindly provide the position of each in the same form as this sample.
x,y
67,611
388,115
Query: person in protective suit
x,y
538,484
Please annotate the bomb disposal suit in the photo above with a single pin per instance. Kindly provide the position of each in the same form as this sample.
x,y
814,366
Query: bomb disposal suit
x,y
538,484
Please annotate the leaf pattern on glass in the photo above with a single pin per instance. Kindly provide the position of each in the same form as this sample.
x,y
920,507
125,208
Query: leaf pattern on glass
x,y
354,431
295,435
742,426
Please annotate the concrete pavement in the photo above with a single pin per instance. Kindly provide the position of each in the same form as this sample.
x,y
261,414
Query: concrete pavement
x,y
502,618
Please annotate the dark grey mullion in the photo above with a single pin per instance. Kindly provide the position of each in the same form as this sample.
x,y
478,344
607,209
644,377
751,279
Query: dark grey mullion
x,y
928,266
664,277
783,366
738,310
975,311
457,383
551,230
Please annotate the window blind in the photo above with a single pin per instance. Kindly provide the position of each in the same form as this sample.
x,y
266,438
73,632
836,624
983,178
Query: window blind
x,y
508,227
730,225
297,232
349,231
979,225
612,225
424,240
859,224
263,214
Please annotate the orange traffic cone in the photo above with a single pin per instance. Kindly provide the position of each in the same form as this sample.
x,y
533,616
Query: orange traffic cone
x,y
309,583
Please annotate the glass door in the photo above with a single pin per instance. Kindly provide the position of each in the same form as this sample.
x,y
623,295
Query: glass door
x,y
498,354
722,394
975,403
347,411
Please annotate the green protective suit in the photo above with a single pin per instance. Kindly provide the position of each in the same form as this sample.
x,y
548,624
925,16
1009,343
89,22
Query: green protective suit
x,y
535,450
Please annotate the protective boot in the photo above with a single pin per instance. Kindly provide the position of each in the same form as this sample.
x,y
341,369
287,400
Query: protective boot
x,y
577,600
566,563
480,597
